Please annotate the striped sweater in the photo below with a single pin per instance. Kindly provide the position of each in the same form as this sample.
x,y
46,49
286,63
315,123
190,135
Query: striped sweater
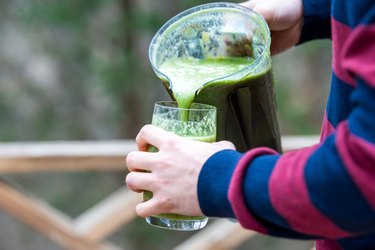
x,y
327,191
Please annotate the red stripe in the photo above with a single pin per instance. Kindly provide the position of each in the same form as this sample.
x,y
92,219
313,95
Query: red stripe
x,y
235,192
327,245
340,33
359,54
358,157
289,196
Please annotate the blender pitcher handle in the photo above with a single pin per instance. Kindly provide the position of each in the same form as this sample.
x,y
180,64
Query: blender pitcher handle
x,y
239,101
254,120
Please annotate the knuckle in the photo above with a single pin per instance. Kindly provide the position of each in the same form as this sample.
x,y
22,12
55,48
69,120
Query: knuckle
x,y
139,136
229,144
157,164
142,132
165,182
129,180
140,211
171,142
162,165
226,144
130,161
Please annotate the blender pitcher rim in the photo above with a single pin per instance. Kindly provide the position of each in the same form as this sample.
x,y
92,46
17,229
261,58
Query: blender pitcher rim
x,y
189,11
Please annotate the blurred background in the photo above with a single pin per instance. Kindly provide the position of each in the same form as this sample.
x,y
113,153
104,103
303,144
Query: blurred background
x,y
79,70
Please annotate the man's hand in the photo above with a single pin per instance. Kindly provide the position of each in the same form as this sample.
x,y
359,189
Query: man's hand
x,y
285,19
171,174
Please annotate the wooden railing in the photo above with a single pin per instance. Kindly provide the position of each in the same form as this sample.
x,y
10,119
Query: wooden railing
x,y
90,230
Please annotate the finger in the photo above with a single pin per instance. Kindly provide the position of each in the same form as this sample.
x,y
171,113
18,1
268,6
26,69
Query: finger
x,y
225,144
152,135
151,207
141,139
268,15
263,9
279,43
138,161
249,4
275,17
139,181
144,209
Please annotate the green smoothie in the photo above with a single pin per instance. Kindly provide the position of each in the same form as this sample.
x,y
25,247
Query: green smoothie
x,y
246,105
187,75
200,125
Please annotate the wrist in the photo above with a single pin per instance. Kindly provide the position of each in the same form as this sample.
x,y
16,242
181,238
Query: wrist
x,y
213,183
316,20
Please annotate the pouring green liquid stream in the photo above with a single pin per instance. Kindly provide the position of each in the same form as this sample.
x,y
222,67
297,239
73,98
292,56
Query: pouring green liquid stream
x,y
188,75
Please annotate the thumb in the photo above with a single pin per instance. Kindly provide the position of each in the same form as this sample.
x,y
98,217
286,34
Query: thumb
x,y
262,9
148,208
278,14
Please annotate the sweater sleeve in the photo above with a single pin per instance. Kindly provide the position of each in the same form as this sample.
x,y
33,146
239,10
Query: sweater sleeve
x,y
323,191
317,20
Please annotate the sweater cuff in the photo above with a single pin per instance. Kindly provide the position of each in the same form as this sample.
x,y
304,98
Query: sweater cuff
x,y
236,194
317,20
213,183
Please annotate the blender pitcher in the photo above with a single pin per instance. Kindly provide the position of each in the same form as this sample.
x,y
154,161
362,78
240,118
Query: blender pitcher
x,y
245,99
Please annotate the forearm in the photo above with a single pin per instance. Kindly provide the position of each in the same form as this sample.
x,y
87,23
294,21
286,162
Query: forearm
x,y
317,20
303,194
214,183
324,191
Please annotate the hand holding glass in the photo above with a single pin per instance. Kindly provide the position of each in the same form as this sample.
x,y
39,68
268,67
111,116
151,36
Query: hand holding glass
x,y
198,123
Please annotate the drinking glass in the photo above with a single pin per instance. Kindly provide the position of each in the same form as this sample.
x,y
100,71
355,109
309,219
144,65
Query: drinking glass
x,y
197,123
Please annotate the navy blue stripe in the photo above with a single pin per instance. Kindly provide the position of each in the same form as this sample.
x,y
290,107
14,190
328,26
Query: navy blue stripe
x,y
352,13
258,200
361,242
334,193
370,16
338,106
317,20
362,119
213,183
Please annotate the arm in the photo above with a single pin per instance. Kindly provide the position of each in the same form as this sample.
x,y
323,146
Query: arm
x,y
317,20
324,191
330,185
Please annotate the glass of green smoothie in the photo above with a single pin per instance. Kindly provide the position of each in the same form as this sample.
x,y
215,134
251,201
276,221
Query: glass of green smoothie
x,y
198,122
